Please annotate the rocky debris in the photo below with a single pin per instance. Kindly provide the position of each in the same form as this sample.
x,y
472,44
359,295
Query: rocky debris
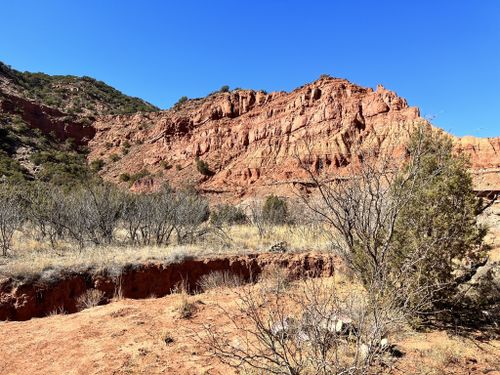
x,y
285,329
23,155
482,292
328,329
280,247
250,139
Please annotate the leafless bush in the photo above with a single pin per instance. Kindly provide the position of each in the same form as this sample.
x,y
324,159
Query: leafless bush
x,y
274,279
150,219
309,330
190,213
257,219
12,215
186,308
382,217
89,298
85,215
96,212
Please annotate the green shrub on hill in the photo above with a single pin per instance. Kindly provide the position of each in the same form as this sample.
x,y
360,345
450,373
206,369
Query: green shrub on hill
x,y
75,94
275,210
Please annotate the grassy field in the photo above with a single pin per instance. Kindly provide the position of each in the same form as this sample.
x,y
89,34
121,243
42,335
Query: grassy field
x,y
32,258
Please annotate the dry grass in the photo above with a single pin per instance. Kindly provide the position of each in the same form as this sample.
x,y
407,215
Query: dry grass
x,y
112,259
220,279
186,307
90,298
274,279
439,353
33,259
298,238
57,311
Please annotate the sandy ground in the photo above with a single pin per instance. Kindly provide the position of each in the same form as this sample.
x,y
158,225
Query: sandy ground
x,y
127,337
124,337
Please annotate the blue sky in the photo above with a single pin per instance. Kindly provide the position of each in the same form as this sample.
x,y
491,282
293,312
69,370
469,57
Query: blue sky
x,y
443,56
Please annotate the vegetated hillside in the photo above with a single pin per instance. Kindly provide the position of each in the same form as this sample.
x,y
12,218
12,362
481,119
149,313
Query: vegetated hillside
x,y
46,121
235,143
27,153
244,143
83,96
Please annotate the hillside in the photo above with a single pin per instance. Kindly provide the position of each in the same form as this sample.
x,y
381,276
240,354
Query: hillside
x,y
45,120
244,142
249,139
84,96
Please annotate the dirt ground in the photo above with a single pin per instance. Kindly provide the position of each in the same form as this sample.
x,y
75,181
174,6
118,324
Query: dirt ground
x,y
128,337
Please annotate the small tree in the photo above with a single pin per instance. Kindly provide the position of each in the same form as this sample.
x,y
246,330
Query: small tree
x,y
203,168
181,101
97,165
275,210
228,214
438,224
224,88
403,225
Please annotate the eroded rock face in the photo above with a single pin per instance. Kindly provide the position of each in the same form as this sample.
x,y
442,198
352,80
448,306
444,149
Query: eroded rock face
x,y
485,158
38,298
48,120
250,139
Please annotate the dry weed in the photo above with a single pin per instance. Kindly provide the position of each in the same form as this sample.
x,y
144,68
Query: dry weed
x,y
90,298
274,279
186,308
220,279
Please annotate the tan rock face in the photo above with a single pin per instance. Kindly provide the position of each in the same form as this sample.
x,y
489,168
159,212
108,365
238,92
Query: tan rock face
x,y
485,158
250,139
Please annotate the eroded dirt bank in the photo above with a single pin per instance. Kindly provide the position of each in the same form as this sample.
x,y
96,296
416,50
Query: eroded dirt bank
x,y
23,300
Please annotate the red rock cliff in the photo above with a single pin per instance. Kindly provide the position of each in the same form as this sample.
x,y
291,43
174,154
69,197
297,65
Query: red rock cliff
x,y
249,138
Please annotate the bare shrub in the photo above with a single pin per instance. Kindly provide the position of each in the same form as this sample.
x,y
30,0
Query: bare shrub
x,y
186,308
90,298
274,279
87,214
11,215
309,330
257,219
382,218
95,213
220,279
191,211
46,212
150,219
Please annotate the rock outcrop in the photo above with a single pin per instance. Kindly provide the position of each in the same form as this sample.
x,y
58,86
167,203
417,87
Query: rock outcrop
x,y
250,139
49,120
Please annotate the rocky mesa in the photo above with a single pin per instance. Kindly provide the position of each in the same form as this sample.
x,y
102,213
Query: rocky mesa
x,y
249,139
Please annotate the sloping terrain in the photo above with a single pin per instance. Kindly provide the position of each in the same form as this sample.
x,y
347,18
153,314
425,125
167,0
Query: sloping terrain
x,y
233,144
44,121
149,337
83,96
249,140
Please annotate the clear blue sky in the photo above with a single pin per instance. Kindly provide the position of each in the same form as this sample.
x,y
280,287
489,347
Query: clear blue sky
x,y
443,56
